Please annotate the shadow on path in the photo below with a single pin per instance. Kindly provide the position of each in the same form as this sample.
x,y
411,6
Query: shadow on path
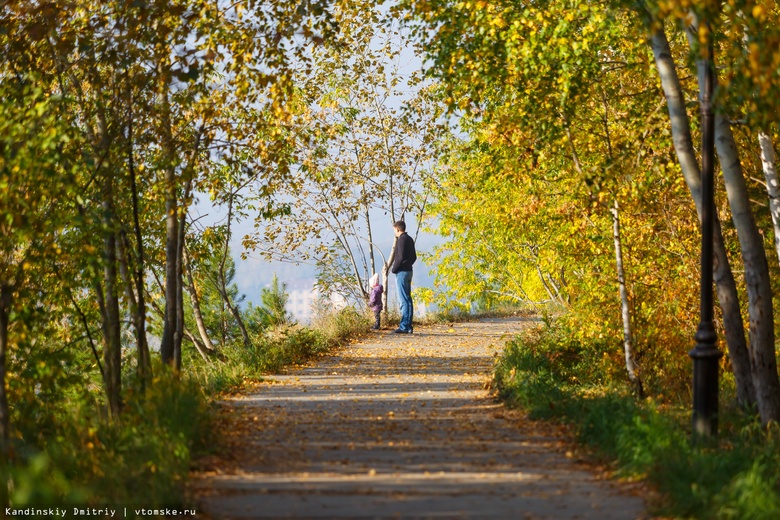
x,y
401,426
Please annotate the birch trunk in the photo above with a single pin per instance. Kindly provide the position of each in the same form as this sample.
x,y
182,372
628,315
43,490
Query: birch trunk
x,y
386,277
760,310
628,341
200,347
371,257
546,287
209,346
722,274
772,185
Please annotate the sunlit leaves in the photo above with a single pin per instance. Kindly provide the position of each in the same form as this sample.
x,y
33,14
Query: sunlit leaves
x,y
360,148
563,121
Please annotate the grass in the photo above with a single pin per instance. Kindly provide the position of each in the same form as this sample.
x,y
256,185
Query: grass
x,y
71,454
736,477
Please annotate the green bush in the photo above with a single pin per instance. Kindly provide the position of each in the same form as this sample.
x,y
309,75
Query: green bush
x,y
143,457
290,346
738,478
337,326
67,451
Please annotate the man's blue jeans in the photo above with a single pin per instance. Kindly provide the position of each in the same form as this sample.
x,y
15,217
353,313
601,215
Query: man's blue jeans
x,y
403,281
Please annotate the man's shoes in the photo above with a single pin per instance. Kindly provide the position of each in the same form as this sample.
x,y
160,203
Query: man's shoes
x,y
401,331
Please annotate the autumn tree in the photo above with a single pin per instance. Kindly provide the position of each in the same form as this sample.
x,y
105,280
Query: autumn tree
x,y
146,94
548,69
361,160
762,366
32,182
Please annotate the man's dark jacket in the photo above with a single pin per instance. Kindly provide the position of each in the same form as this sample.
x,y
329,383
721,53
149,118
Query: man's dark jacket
x,y
405,254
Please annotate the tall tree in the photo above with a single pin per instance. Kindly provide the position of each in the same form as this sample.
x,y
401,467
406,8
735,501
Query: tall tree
x,y
756,269
362,155
33,181
541,68
723,277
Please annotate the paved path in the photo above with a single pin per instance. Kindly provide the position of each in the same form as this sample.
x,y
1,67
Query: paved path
x,y
399,426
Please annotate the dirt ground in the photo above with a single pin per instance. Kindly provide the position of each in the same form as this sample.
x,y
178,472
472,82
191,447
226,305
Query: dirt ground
x,y
400,426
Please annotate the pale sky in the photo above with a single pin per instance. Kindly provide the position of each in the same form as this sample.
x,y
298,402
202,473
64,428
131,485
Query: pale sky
x,y
255,273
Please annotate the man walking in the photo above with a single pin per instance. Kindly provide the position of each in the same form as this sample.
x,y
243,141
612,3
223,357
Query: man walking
x,y
405,255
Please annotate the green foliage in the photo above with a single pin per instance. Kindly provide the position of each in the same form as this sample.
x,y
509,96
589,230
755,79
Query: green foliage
x,y
463,312
339,325
109,113
38,482
363,151
272,312
561,132
544,362
548,375
68,452
82,458
289,347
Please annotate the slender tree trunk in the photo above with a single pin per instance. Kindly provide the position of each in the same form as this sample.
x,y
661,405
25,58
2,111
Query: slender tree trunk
x,y
625,305
386,276
371,257
222,285
6,298
546,287
179,336
138,320
772,184
235,313
112,355
757,281
722,274
628,338
760,310
198,346
551,282
124,270
204,335
144,368
168,341
85,322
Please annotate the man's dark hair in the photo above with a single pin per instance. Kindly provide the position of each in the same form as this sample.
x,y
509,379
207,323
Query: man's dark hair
x,y
400,225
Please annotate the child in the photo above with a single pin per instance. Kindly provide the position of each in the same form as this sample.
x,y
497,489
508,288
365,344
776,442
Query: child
x,y
375,299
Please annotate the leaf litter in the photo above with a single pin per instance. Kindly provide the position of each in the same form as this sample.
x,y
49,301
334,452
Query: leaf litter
x,y
414,418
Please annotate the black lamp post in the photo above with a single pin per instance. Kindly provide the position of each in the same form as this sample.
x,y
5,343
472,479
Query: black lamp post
x,y
706,354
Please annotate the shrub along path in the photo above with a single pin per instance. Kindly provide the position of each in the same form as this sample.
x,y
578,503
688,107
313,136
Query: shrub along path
x,y
399,426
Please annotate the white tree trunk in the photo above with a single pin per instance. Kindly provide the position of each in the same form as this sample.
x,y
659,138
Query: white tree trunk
x,y
763,360
772,185
628,341
204,335
722,274
386,276
760,308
